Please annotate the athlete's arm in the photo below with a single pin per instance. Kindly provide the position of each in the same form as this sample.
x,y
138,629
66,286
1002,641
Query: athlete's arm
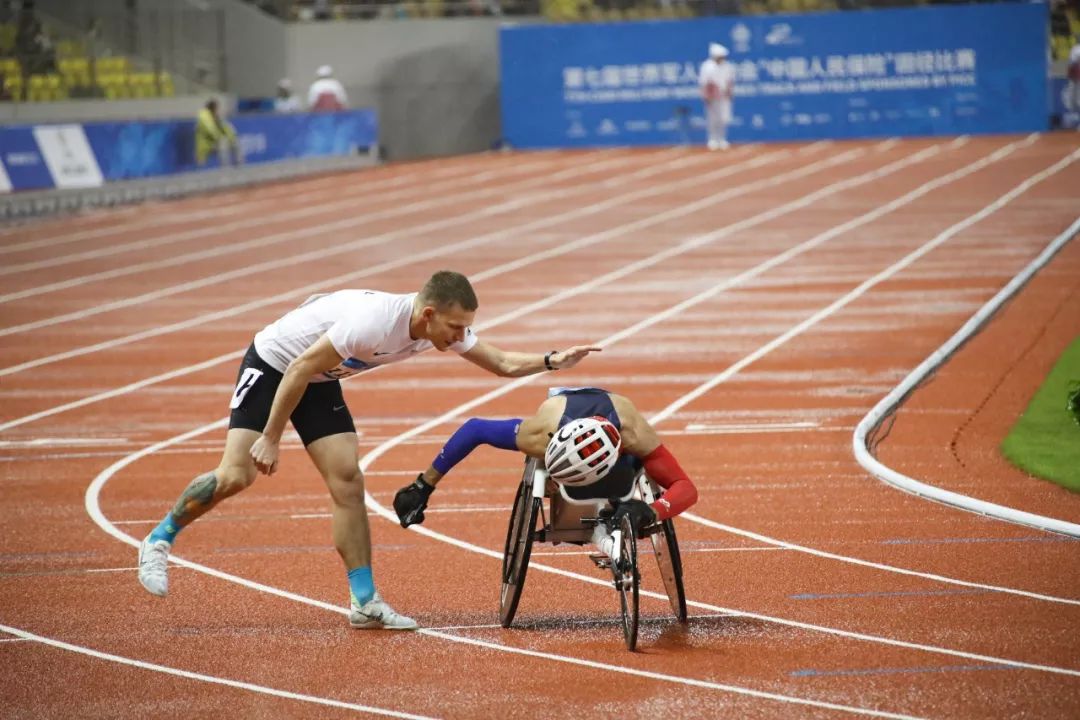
x,y
516,364
318,358
641,440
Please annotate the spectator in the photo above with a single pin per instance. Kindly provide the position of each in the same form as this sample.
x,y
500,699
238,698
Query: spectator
x,y
717,82
286,101
215,134
326,93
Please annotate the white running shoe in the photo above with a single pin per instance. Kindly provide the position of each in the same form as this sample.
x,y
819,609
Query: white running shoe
x,y
154,566
714,145
724,144
375,614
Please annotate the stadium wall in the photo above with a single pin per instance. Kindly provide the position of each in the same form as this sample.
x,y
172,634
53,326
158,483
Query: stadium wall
x,y
896,72
435,83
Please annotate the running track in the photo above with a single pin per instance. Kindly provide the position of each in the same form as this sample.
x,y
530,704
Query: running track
x,y
755,304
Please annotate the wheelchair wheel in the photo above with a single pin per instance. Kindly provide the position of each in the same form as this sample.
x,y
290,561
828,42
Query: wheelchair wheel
x,y
666,549
626,583
519,540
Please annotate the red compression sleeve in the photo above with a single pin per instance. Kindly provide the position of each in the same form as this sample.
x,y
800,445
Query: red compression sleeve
x,y
680,492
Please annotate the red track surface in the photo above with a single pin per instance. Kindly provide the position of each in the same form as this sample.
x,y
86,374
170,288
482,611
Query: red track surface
x,y
120,335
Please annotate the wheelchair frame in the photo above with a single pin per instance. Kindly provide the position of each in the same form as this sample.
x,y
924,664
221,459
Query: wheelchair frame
x,y
572,522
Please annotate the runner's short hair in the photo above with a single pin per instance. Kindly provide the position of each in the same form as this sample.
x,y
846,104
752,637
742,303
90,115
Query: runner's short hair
x,y
446,288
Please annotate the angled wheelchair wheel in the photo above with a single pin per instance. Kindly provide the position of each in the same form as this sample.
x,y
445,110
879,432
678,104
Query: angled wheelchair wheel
x,y
666,549
627,581
518,548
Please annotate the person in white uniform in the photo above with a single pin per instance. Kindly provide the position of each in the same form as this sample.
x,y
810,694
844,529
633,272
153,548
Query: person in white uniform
x,y
717,82
292,371
326,93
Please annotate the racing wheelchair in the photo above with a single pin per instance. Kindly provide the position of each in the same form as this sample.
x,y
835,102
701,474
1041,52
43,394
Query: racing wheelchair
x,y
570,519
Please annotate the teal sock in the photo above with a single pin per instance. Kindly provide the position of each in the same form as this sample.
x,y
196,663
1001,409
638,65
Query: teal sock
x,y
361,585
166,530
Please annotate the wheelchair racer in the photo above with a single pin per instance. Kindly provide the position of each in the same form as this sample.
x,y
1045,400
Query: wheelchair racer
x,y
593,443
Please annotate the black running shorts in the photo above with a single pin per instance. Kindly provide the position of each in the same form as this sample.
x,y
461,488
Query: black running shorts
x,y
321,411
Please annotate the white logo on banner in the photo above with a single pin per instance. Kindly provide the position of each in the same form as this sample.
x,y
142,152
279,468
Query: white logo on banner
x,y
780,34
5,182
68,156
740,37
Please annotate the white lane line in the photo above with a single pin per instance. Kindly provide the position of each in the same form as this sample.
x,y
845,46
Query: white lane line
x,y
847,298
173,214
352,198
213,679
705,684
567,247
586,241
229,204
61,442
418,256
682,550
761,217
747,428
93,508
861,438
317,229
877,639
826,312
368,241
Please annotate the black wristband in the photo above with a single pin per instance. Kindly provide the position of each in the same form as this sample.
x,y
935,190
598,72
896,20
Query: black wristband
x,y
547,360
423,486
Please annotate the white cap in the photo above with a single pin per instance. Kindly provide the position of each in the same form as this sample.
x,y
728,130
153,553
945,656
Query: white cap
x,y
324,71
716,50
284,83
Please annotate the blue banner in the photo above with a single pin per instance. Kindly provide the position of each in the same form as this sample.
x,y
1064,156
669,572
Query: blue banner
x,y
913,71
145,149
41,157
22,158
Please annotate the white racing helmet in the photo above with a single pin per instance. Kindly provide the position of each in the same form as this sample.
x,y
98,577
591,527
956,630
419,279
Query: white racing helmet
x,y
582,451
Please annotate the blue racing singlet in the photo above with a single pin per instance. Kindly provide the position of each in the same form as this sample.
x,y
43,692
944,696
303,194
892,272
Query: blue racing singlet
x,y
583,402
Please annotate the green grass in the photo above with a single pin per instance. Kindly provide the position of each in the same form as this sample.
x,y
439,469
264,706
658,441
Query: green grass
x,y
1045,441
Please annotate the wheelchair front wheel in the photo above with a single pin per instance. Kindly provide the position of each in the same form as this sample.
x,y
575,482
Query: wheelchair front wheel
x,y
627,581
518,548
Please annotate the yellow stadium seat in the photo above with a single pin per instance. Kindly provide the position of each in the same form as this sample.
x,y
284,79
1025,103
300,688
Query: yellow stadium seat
x,y
68,48
36,89
165,85
113,65
14,86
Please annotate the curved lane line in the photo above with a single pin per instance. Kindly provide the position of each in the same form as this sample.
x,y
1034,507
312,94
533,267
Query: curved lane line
x,y
187,674
892,402
93,509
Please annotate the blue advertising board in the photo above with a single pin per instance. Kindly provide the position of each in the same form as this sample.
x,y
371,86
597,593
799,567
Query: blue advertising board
x,y
49,156
145,149
912,71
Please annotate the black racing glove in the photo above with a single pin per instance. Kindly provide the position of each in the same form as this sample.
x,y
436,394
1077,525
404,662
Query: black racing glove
x,y
640,514
410,501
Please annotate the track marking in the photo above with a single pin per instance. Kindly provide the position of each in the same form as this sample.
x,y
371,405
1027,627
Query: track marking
x,y
444,250
132,542
213,679
743,428
426,190
94,511
322,228
896,397
439,252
